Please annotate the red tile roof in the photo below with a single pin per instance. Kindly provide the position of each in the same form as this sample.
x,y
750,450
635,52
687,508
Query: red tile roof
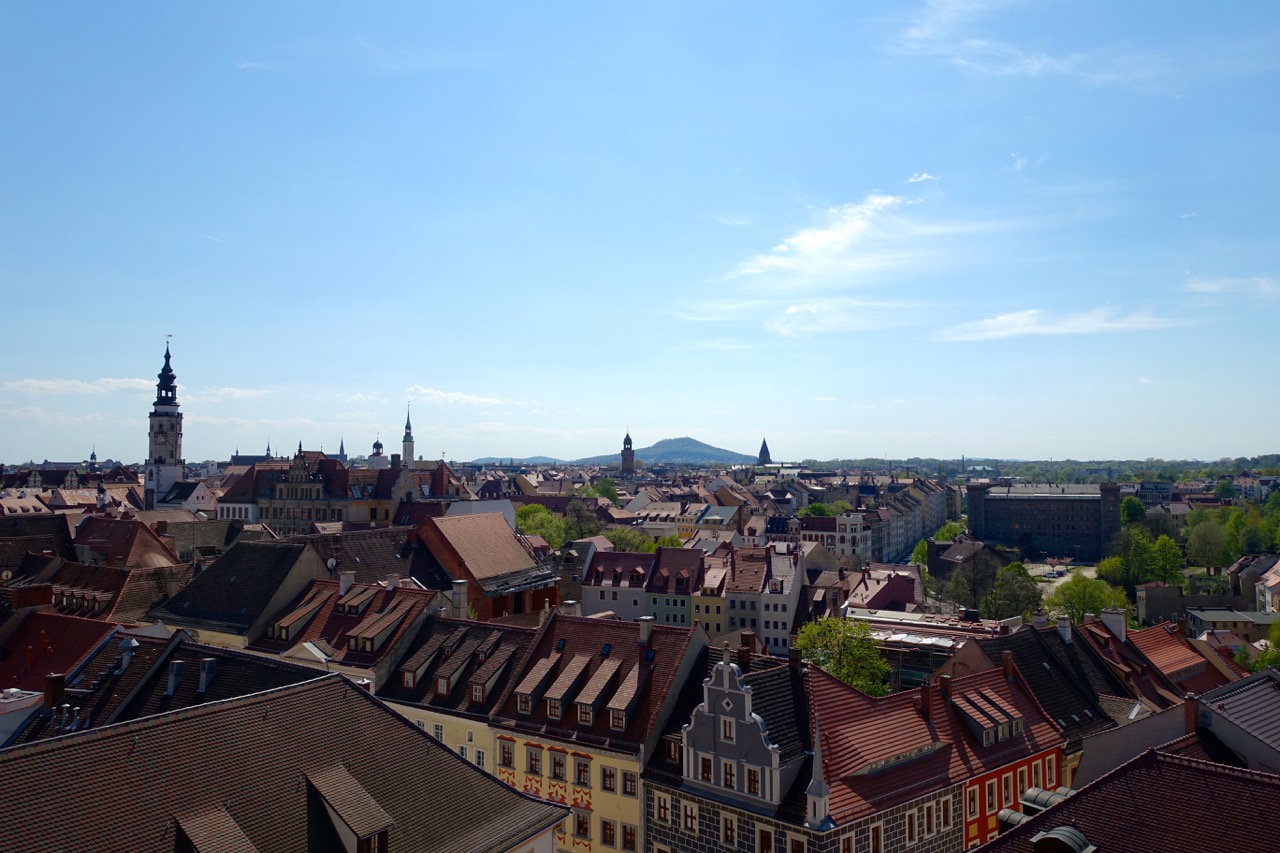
x,y
47,642
482,545
124,542
863,739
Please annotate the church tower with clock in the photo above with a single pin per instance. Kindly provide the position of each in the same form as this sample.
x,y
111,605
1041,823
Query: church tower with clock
x,y
165,465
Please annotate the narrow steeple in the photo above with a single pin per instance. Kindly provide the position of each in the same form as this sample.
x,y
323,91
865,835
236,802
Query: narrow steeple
x,y
764,458
818,813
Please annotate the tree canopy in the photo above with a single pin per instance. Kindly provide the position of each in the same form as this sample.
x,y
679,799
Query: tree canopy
x,y
631,539
1131,510
1080,595
845,649
816,509
1016,593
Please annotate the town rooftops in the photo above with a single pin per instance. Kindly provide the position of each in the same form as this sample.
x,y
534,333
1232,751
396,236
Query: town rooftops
x,y
1157,801
882,751
121,542
44,642
483,547
256,772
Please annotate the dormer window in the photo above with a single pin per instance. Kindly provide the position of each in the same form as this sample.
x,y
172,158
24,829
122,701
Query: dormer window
x,y
477,693
988,737
1003,733
524,704
409,680
553,709
617,720
442,686
584,715
1017,725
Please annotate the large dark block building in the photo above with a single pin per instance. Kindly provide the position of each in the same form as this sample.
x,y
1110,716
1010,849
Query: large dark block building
x,y
1047,520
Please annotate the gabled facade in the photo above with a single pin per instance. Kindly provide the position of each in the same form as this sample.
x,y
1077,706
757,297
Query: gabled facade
x,y
588,707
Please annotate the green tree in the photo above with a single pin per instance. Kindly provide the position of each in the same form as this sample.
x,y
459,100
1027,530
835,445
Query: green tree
x,y
631,539
1080,595
1167,561
537,520
1207,543
605,487
816,509
1111,570
920,554
1225,490
1131,510
1016,593
579,520
948,531
972,581
841,506
669,541
845,649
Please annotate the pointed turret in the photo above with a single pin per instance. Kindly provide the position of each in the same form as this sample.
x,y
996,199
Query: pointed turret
x,y
765,458
818,795
407,441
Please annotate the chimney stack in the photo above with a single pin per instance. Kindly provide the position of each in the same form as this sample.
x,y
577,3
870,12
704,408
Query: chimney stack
x,y
55,684
746,647
571,607
793,654
175,676
126,653
459,599
345,580
1190,713
393,581
1039,619
1064,628
1006,662
944,687
926,701
646,629
207,668
1117,622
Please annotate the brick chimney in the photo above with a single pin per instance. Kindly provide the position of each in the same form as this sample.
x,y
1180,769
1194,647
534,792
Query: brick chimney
x,y
55,684
1190,713
944,687
745,649
1116,621
1006,662
926,701
345,580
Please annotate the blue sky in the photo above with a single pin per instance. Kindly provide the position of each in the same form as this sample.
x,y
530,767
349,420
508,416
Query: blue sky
x,y
1010,229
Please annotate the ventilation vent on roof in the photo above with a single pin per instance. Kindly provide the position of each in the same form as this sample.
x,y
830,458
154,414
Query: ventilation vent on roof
x,y
560,644
604,651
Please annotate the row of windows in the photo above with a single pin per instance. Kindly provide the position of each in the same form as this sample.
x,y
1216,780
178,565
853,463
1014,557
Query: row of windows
x,y
581,769
1044,774
731,830
612,834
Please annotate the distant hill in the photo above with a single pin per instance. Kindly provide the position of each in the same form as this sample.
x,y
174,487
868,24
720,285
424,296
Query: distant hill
x,y
675,451
528,460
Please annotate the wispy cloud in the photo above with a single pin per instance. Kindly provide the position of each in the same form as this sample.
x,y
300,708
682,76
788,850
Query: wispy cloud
x,y
948,29
831,316
1190,214
1253,285
245,65
818,249
1144,380
360,397
920,177
460,398
78,386
215,395
1034,321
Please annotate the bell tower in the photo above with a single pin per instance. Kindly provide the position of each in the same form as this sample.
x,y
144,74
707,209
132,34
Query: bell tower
x,y
407,441
164,457
628,457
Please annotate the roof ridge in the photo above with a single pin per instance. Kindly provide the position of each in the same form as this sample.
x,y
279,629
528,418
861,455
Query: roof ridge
x,y
167,717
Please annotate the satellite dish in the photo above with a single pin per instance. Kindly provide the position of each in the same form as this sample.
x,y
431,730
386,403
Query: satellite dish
x,y
6,575
331,563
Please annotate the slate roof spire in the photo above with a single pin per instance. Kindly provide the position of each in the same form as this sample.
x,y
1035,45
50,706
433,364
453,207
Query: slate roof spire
x,y
764,458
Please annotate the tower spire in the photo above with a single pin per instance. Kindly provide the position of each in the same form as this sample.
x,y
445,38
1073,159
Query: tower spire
x,y
818,815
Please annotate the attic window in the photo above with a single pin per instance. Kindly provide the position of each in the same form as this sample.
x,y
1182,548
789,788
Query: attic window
x,y
617,720
560,644
553,709
988,737
604,650
477,693
584,715
524,704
